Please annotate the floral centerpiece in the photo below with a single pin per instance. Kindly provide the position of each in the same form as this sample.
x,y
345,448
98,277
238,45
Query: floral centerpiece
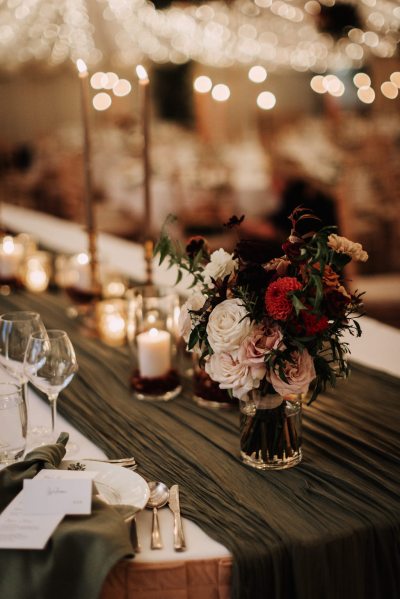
x,y
270,330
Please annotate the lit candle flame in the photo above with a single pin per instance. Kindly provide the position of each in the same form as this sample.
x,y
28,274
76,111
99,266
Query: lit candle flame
x,y
8,245
81,66
142,73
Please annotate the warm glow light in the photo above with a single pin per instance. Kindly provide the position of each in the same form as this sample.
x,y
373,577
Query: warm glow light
x,y
96,80
81,66
257,74
111,80
362,80
153,332
317,84
82,259
202,84
333,85
122,88
8,245
366,95
142,73
395,78
102,101
266,100
389,90
313,8
221,92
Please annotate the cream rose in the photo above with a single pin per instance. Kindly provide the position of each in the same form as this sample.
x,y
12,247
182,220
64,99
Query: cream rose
x,y
221,264
298,373
194,302
228,325
345,246
231,373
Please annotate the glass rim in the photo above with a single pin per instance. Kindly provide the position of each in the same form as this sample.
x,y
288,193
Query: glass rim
x,y
19,315
49,333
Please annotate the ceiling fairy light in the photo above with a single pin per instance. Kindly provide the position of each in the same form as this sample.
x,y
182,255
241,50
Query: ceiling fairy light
x,y
284,34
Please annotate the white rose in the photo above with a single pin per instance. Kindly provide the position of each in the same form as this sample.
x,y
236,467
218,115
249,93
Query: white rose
x,y
221,264
194,302
227,370
228,325
345,246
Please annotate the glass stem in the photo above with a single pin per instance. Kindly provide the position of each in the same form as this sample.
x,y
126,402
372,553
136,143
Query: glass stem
x,y
24,387
53,405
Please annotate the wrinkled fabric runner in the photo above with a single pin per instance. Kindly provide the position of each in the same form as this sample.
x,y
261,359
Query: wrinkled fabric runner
x,y
328,528
81,551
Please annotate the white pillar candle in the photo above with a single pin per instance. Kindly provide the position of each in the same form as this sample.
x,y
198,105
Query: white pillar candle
x,y
154,353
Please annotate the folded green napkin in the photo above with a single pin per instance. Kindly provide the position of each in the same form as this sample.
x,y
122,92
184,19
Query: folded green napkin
x,y
81,551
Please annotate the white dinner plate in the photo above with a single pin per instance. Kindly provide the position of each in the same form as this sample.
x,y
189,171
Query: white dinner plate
x,y
115,484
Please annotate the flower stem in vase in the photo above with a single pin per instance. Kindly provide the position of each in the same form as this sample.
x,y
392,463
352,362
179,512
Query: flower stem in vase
x,y
270,435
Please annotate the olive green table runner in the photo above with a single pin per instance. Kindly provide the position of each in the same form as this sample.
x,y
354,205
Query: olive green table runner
x,y
327,529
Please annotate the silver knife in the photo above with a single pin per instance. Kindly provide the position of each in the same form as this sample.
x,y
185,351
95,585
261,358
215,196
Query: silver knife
x,y
173,503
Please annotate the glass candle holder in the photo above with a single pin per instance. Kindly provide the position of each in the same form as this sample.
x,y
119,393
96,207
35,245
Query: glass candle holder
x,y
76,279
111,316
152,336
11,257
36,272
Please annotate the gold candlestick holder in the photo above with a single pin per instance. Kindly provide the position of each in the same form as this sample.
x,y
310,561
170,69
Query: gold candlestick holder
x,y
148,256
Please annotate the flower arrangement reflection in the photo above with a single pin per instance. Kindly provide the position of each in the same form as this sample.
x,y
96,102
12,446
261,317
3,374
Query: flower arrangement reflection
x,y
272,325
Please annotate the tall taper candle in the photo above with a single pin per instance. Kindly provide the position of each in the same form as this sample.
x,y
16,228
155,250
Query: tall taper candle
x,y
90,220
144,85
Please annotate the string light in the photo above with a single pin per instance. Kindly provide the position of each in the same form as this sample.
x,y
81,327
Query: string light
x,y
389,90
202,84
102,101
268,33
221,92
266,100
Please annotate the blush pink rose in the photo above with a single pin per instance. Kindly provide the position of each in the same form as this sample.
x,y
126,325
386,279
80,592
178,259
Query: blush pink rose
x,y
298,373
259,343
231,373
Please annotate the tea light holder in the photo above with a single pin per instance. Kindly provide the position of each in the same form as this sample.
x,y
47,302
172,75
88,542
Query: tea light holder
x,y
11,257
36,272
152,337
111,317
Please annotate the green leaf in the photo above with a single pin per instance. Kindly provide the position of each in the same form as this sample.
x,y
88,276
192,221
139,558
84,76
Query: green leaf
x,y
297,304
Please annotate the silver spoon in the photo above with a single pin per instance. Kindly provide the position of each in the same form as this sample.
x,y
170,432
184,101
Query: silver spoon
x,y
159,495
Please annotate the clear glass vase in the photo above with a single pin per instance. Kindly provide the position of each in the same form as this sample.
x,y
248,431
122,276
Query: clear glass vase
x,y
271,430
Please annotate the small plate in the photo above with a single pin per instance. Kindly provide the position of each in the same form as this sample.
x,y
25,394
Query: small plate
x,y
115,485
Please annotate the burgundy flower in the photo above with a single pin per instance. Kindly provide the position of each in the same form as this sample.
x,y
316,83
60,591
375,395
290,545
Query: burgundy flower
x,y
277,302
292,249
194,246
314,323
336,303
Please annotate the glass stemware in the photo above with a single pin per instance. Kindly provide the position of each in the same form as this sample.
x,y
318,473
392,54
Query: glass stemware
x,y
50,364
15,331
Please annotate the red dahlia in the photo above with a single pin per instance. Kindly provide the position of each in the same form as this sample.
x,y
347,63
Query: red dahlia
x,y
277,302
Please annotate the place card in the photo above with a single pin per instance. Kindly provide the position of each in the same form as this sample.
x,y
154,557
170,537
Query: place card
x,y
54,494
19,530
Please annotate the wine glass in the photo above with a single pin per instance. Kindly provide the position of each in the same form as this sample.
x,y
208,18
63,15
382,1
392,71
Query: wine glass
x,y
50,364
15,331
